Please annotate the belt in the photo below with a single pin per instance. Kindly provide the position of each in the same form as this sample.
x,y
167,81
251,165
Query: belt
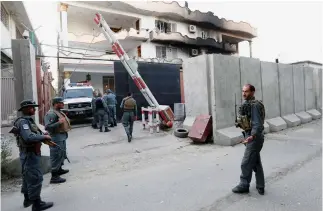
x,y
128,110
29,149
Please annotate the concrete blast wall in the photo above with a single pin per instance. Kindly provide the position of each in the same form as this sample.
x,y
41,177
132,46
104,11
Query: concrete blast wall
x,y
270,89
318,87
212,83
195,81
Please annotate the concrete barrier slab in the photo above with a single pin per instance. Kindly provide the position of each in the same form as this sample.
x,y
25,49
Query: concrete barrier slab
x,y
305,117
315,114
188,122
276,124
292,120
267,129
228,136
13,168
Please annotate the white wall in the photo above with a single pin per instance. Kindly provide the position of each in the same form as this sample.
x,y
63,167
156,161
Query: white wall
x,y
7,35
147,23
133,52
148,50
96,79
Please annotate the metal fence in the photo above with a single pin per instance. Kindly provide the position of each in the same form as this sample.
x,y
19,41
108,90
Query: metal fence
x,y
8,100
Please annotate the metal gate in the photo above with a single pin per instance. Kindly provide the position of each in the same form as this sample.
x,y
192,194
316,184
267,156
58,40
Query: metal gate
x,y
8,99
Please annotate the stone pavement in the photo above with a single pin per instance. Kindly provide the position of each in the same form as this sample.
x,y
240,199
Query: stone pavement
x,y
160,172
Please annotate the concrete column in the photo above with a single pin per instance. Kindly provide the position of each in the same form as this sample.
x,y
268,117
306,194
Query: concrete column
x,y
203,51
250,48
24,67
67,79
64,29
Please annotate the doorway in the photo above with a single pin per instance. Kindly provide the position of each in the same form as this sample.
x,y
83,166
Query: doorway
x,y
108,83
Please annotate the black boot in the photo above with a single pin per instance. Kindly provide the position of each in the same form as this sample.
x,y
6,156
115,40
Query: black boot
x,y
261,191
107,129
115,123
101,129
62,171
240,189
39,205
56,179
27,202
129,138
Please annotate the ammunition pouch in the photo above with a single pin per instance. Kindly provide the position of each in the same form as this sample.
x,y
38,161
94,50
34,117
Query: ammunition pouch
x,y
35,148
243,122
23,147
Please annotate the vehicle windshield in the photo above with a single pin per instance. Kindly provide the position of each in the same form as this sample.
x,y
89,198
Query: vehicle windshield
x,y
77,93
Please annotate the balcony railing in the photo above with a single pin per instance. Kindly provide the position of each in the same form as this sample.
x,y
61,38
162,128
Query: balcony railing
x,y
139,35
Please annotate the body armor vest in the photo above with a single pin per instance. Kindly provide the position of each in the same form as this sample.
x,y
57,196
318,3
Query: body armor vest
x,y
129,103
244,114
21,143
65,126
99,103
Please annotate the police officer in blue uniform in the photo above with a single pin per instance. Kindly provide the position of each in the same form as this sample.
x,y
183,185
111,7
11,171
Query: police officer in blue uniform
x,y
58,125
103,113
111,101
251,121
29,138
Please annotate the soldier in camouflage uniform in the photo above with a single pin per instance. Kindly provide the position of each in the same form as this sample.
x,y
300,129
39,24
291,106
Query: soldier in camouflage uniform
x,y
251,121
129,106
57,124
29,138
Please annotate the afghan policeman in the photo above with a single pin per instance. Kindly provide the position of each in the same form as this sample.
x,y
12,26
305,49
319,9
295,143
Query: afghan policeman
x,y
57,124
129,106
251,121
103,113
95,115
111,101
29,138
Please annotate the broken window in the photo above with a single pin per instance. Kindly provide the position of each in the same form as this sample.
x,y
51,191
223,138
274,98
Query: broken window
x,y
165,27
204,35
160,51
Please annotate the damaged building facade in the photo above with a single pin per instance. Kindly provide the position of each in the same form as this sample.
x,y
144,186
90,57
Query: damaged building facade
x,y
148,31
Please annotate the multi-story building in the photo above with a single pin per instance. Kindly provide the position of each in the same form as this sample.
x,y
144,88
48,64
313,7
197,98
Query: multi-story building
x,y
146,30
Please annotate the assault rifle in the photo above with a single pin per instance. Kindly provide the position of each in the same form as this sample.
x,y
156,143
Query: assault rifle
x,y
15,131
235,111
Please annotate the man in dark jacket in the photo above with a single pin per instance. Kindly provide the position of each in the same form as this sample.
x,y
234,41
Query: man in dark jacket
x,y
251,121
103,113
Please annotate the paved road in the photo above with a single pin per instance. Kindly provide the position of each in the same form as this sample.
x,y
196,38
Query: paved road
x,y
189,177
299,190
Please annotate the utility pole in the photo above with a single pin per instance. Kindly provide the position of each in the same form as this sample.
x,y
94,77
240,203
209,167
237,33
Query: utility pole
x,y
58,70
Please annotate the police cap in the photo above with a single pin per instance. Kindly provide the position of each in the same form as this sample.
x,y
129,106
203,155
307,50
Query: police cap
x,y
27,103
57,100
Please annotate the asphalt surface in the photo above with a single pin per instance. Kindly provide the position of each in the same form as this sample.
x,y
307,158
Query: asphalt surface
x,y
299,190
163,173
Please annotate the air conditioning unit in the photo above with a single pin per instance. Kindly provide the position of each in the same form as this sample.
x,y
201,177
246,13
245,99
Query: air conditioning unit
x,y
195,52
192,28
